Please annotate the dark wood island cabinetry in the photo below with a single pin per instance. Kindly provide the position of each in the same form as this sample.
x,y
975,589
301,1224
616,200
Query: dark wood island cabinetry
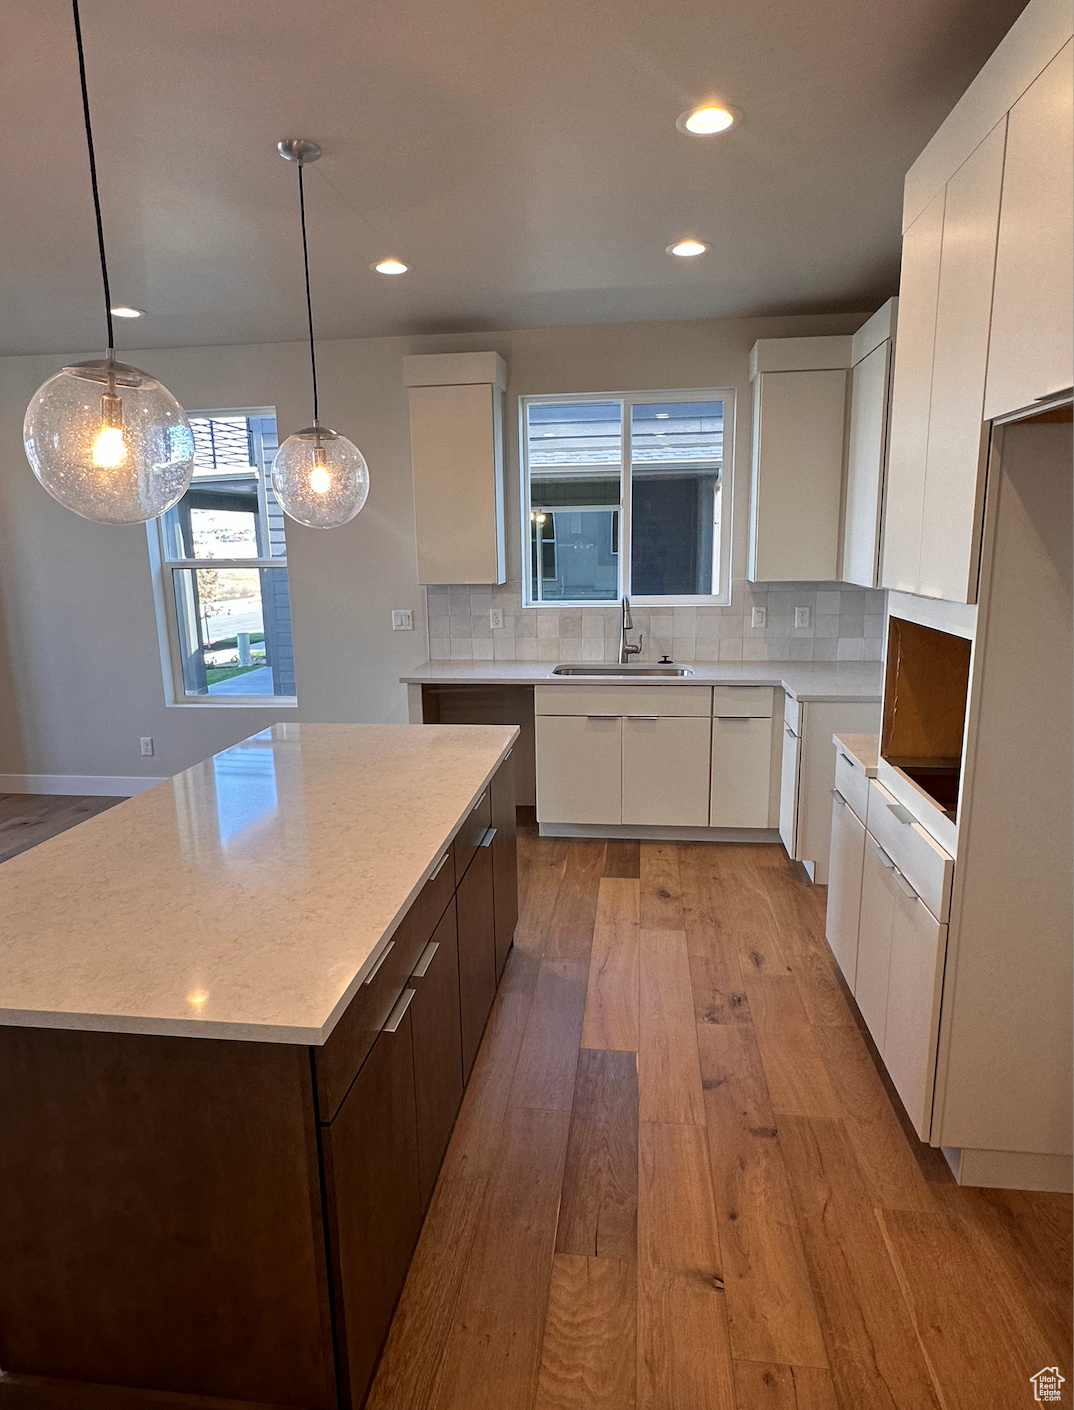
x,y
234,1219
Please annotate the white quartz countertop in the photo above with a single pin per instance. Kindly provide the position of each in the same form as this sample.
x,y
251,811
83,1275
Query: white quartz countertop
x,y
864,749
247,897
805,680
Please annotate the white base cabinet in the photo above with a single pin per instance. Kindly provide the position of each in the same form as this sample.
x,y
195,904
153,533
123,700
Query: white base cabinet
x,y
666,771
845,864
580,768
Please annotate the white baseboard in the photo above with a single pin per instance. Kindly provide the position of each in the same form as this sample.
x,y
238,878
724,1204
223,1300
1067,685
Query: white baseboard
x,y
633,831
79,785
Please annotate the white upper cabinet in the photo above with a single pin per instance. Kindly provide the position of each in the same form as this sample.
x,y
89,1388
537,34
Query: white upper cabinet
x,y
796,483
870,395
1032,328
456,445
904,486
957,438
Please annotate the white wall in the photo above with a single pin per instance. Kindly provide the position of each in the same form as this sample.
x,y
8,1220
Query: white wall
x,y
80,677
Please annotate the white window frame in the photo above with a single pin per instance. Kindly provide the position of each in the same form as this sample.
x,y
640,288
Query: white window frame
x,y
722,598
163,571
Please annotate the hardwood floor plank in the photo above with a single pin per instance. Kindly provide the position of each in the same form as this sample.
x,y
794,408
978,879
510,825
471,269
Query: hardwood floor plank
x,y
799,912
892,1162
476,1138
410,1364
661,888
740,874
770,1307
765,1386
493,1353
623,858
684,1352
541,863
980,1338
798,1081
598,1213
29,818
874,1354
669,1077
719,996
570,927
611,1005
544,1073
588,1361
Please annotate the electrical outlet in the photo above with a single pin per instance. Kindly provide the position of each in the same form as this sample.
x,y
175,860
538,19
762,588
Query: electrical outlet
x,y
801,617
759,617
496,618
147,746
402,620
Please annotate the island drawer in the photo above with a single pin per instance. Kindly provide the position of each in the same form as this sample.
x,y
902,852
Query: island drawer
x,y
472,833
337,1063
851,782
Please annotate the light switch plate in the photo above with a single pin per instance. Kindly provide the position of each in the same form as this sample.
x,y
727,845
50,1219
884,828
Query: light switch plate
x,y
759,616
801,617
496,618
402,620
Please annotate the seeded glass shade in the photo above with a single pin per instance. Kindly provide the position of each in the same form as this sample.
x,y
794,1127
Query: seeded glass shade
x,y
109,442
320,478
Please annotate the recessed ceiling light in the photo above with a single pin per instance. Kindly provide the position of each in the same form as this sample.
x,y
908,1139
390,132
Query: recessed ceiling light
x,y
687,249
390,266
124,311
704,121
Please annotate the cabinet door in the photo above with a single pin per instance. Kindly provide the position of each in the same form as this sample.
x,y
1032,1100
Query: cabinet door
x,y
867,452
437,1031
845,865
878,893
1030,352
477,952
797,480
904,482
741,771
374,1204
915,980
579,768
505,860
957,443
666,771
788,790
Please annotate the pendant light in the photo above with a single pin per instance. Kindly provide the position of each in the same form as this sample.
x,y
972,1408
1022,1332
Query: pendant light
x,y
106,440
319,477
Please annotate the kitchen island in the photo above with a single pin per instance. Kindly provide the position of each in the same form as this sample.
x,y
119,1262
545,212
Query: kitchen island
x,y
237,1016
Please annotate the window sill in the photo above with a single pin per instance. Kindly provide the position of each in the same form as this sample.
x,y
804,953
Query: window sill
x,y
236,702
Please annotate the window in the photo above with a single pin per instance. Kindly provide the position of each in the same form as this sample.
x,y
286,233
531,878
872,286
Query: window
x,y
656,532
221,556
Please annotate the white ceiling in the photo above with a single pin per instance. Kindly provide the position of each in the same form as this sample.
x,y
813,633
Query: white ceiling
x,y
521,155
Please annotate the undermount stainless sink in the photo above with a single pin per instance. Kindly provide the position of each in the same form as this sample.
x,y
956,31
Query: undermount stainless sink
x,y
622,672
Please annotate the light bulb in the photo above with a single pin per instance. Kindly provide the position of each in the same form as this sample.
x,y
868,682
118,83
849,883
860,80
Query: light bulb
x,y
320,478
703,122
687,249
111,458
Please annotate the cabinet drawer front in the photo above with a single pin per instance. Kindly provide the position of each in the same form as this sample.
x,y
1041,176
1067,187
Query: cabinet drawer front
x,y
470,835
437,1030
666,772
878,895
748,700
915,979
792,713
923,862
845,865
579,769
788,791
851,782
741,770
622,699
338,1061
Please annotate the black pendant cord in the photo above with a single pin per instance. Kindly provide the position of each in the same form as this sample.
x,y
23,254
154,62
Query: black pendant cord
x,y
93,178
309,301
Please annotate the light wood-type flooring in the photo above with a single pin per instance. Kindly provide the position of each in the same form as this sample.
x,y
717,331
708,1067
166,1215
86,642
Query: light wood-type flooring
x,y
29,818
679,1183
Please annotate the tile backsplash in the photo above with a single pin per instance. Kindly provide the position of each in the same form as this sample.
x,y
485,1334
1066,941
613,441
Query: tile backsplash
x,y
845,624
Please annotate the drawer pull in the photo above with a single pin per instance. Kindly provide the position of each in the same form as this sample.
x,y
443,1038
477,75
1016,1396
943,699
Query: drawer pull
x,y
395,1018
884,859
839,798
440,865
899,813
480,801
602,717
652,718
790,731
383,956
421,969
486,841
903,885
732,718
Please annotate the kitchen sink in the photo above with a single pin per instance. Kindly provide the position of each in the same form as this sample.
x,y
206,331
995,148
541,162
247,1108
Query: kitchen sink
x,y
622,671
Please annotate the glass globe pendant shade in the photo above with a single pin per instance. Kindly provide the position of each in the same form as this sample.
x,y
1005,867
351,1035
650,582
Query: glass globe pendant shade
x,y
109,442
320,478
